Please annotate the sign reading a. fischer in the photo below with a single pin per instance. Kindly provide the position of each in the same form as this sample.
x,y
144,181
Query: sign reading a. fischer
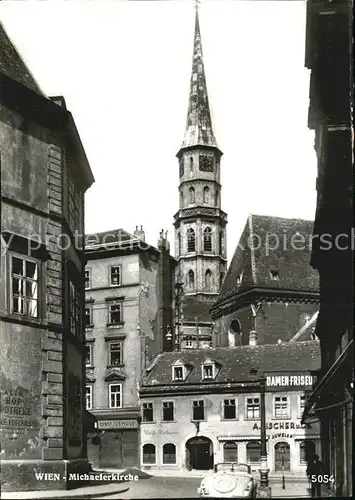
x,y
118,424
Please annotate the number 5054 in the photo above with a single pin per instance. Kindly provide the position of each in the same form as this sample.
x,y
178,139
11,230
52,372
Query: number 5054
x,y
322,478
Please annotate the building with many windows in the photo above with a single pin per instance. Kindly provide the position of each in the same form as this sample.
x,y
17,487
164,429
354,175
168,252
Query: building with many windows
x,y
200,408
200,223
128,312
270,293
329,41
44,175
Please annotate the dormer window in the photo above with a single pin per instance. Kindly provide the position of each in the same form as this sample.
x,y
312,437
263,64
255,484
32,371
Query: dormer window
x,y
208,369
178,373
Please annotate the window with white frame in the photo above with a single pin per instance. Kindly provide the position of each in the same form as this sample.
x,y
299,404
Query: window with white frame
x,y
168,411
149,454
252,408
88,350
115,353
229,409
88,316
147,412
88,397
115,314
115,395
87,278
24,286
179,372
189,342
169,454
207,372
281,407
115,275
198,410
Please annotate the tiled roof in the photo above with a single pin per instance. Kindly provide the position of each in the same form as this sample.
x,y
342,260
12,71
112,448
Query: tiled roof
x,y
195,306
236,362
272,252
116,235
12,64
199,129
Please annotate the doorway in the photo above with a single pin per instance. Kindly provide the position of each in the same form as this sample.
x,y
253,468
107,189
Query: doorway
x,y
199,453
282,457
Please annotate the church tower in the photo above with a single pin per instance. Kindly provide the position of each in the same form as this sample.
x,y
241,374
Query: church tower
x,y
200,223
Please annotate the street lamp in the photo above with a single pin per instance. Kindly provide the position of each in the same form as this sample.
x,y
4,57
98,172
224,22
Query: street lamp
x,y
264,489
283,450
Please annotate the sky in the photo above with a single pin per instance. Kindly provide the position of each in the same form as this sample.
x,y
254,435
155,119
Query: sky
x,y
124,69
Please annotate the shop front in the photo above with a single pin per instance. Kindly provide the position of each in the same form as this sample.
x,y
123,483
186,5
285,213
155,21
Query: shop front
x,y
115,444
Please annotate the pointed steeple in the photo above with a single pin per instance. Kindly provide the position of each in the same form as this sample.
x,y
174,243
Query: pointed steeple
x,y
199,131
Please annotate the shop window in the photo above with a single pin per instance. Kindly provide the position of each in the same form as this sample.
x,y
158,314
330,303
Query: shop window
x,y
307,450
148,412
88,397
168,411
253,408
229,409
169,453
281,407
253,452
149,455
115,276
198,410
230,452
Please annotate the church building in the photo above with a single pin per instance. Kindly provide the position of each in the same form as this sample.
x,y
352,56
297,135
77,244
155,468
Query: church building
x,y
200,223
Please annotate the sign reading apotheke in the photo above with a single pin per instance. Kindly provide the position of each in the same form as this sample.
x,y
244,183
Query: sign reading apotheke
x,y
293,380
117,424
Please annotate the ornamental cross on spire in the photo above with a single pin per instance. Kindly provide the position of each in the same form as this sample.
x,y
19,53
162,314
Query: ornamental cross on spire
x,y
197,4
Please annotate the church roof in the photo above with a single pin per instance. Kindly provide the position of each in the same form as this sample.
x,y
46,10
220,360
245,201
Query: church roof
x,y
236,363
12,64
273,253
199,131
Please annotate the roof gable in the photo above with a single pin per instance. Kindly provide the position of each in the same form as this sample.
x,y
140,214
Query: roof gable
x,y
12,64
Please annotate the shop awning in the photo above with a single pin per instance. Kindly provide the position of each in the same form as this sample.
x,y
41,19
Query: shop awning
x,y
327,379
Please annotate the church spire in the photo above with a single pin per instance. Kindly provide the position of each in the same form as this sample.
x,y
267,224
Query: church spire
x,y
199,131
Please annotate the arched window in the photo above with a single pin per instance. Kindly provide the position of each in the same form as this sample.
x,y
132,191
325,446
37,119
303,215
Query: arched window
x,y
191,195
191,243
179,243
169,453
207,239
234,334
190,279
307,450
221,241
149,456
230,451
191,164
221,278
216,198
253,452
208,280
206,194
181,199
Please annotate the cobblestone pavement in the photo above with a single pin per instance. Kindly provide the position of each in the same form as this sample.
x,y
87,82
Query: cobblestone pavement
x,y
160,487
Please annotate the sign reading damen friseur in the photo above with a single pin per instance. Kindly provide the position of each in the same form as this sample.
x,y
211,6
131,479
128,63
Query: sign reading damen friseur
x,y
288,380
118,424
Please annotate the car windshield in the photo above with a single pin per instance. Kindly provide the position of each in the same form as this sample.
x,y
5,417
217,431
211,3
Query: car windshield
x,y
232,467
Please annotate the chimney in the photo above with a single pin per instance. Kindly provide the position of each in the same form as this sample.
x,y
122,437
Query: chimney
x,y
139,233
252,337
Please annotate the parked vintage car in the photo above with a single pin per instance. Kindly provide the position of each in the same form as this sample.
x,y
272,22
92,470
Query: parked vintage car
x,y
228,480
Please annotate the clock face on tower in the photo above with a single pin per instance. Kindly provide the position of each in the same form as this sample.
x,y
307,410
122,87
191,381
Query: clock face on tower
x,y
206,163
